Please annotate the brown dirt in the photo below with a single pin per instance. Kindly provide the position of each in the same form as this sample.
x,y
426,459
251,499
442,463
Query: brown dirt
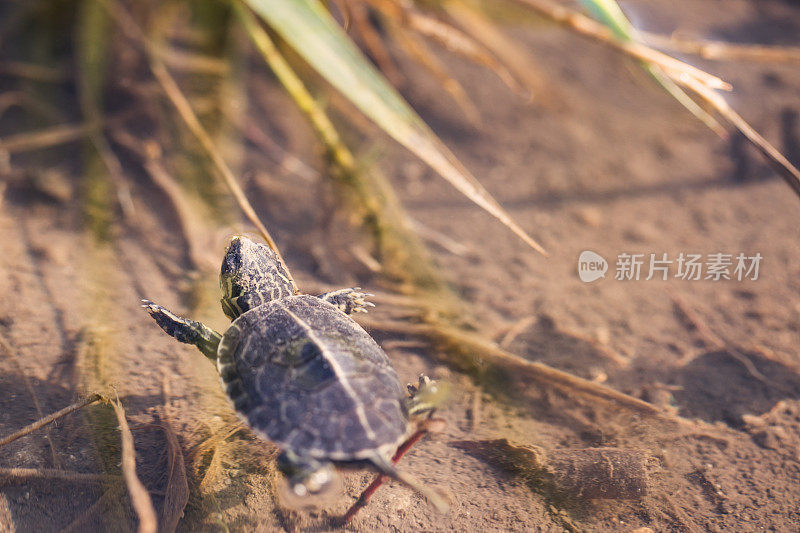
x,y
610,164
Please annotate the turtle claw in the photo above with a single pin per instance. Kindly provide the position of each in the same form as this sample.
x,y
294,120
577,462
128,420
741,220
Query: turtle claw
x,y
349,301
424,383
152,308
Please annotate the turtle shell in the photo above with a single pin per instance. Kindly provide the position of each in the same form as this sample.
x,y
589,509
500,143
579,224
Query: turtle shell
x,y
308,378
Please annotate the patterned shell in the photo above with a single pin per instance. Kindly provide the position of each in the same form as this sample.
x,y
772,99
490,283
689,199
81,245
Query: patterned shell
x,y
307,377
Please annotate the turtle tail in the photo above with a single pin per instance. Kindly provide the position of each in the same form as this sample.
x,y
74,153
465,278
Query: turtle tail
x,y
386,468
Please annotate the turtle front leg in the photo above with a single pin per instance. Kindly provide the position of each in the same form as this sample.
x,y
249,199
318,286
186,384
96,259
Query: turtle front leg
x,y
185,330
348,301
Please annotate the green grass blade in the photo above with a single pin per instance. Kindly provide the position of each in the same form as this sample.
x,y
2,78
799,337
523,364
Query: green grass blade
x,y
308,28
609,13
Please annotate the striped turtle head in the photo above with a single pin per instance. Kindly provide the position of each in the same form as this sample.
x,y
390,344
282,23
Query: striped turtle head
x,y
251,275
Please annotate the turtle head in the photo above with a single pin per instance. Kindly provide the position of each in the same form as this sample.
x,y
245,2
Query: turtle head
x,y
251,275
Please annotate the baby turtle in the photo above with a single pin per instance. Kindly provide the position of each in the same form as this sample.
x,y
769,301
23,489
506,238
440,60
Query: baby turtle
x,y
302,372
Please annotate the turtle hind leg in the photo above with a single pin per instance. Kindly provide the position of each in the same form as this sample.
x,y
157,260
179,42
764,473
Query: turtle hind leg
x,y
307,476
385,467
185,330
424,397
348,301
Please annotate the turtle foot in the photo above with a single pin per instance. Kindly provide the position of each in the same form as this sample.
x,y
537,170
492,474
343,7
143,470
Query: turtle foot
x,y
349,301
307,477
423,397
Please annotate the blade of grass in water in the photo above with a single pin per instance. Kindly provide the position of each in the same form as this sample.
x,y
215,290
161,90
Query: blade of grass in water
x,y
609,13
315,35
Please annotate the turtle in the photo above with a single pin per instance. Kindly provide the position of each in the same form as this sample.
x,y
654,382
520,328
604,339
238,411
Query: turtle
x,y
303,374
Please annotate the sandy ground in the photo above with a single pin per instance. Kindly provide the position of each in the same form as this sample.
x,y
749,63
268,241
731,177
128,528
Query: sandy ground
x,y
608,164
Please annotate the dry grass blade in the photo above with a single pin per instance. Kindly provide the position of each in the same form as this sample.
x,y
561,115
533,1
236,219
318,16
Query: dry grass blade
x,y
343,6
489,352
150,152
186,215
187,114
684,99
590,28
315,35
34,72
214,440
715,341
193,62
177,491
451,38
97,508
51,418
114,168
783,166
26,142
360,16
27,474
36,106
512,62
610,13
545,373
719,50
439,239
454,172
212,470
206,451
288,162
416,48
34,398
701,83
140,498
